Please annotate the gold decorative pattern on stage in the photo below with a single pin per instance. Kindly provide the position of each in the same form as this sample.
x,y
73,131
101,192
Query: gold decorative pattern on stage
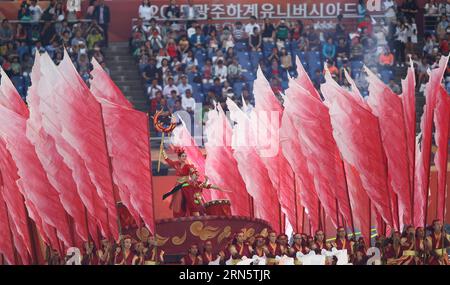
x,y
204,233
176,240
225,234
161,240
248,232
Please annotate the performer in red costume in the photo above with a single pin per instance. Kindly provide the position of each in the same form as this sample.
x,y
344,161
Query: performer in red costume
x,y
192,194
193,257
89,258
437,244
260,248
126,256
283,241
420,246
408,244
299,245
105,254
183,170
153,255
139,256
393,250
275,249
342,241
239,248
320,242
208,254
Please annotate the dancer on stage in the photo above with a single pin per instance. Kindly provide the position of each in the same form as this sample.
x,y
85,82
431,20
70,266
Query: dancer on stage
x,y
437,244
393,250
420,246
192,194
193,257
183,170
126,256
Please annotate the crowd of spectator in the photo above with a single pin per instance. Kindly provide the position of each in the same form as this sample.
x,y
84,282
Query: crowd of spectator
x,y
51,29
183,62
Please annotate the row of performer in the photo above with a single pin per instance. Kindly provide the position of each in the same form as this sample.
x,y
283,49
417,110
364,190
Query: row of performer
x,y
415,246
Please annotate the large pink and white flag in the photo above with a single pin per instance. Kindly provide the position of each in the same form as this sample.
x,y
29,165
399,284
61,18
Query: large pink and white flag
x,y
80,117
221,166
9,97
388,108
42,100
33,182
265,122
127,134
311,118
441,136
356,132
6,242
252,169
423,144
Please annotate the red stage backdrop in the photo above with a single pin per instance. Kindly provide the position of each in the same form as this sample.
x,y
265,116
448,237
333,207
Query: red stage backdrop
x,y
227,11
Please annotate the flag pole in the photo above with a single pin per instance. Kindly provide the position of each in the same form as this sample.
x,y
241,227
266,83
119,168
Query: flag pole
x,y
348,197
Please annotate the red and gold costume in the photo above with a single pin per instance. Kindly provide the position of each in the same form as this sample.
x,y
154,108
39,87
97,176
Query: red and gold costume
x,y
193,198
322,245
153,256
438,254
90,259
242,250
392,254
259,251
274,249
342,244
208,257
124,258
182,171
190,260
408,252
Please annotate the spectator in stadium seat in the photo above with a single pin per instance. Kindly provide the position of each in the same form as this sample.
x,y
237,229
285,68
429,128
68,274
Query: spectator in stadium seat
x,y
282,31
234,71
156,41
153,89
313,39
366,25
189,60
409,9
155,102
401,38
212,44
255,40
239,33
329,49
274,55
103,17
268,34
318,79
184,85
431,8
183,45
441,28
145,10
172,11
190,12
209,27
362,10
171,100
151,71
24,13
216,88
390,13
197,40
207,72
94,37
227,90
340,31
170,87
342,52
344,66
386,59
356,50
220,71
297,30
90,9
188,102
35,11
226,38
334,71
6,33
285,60
250,27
